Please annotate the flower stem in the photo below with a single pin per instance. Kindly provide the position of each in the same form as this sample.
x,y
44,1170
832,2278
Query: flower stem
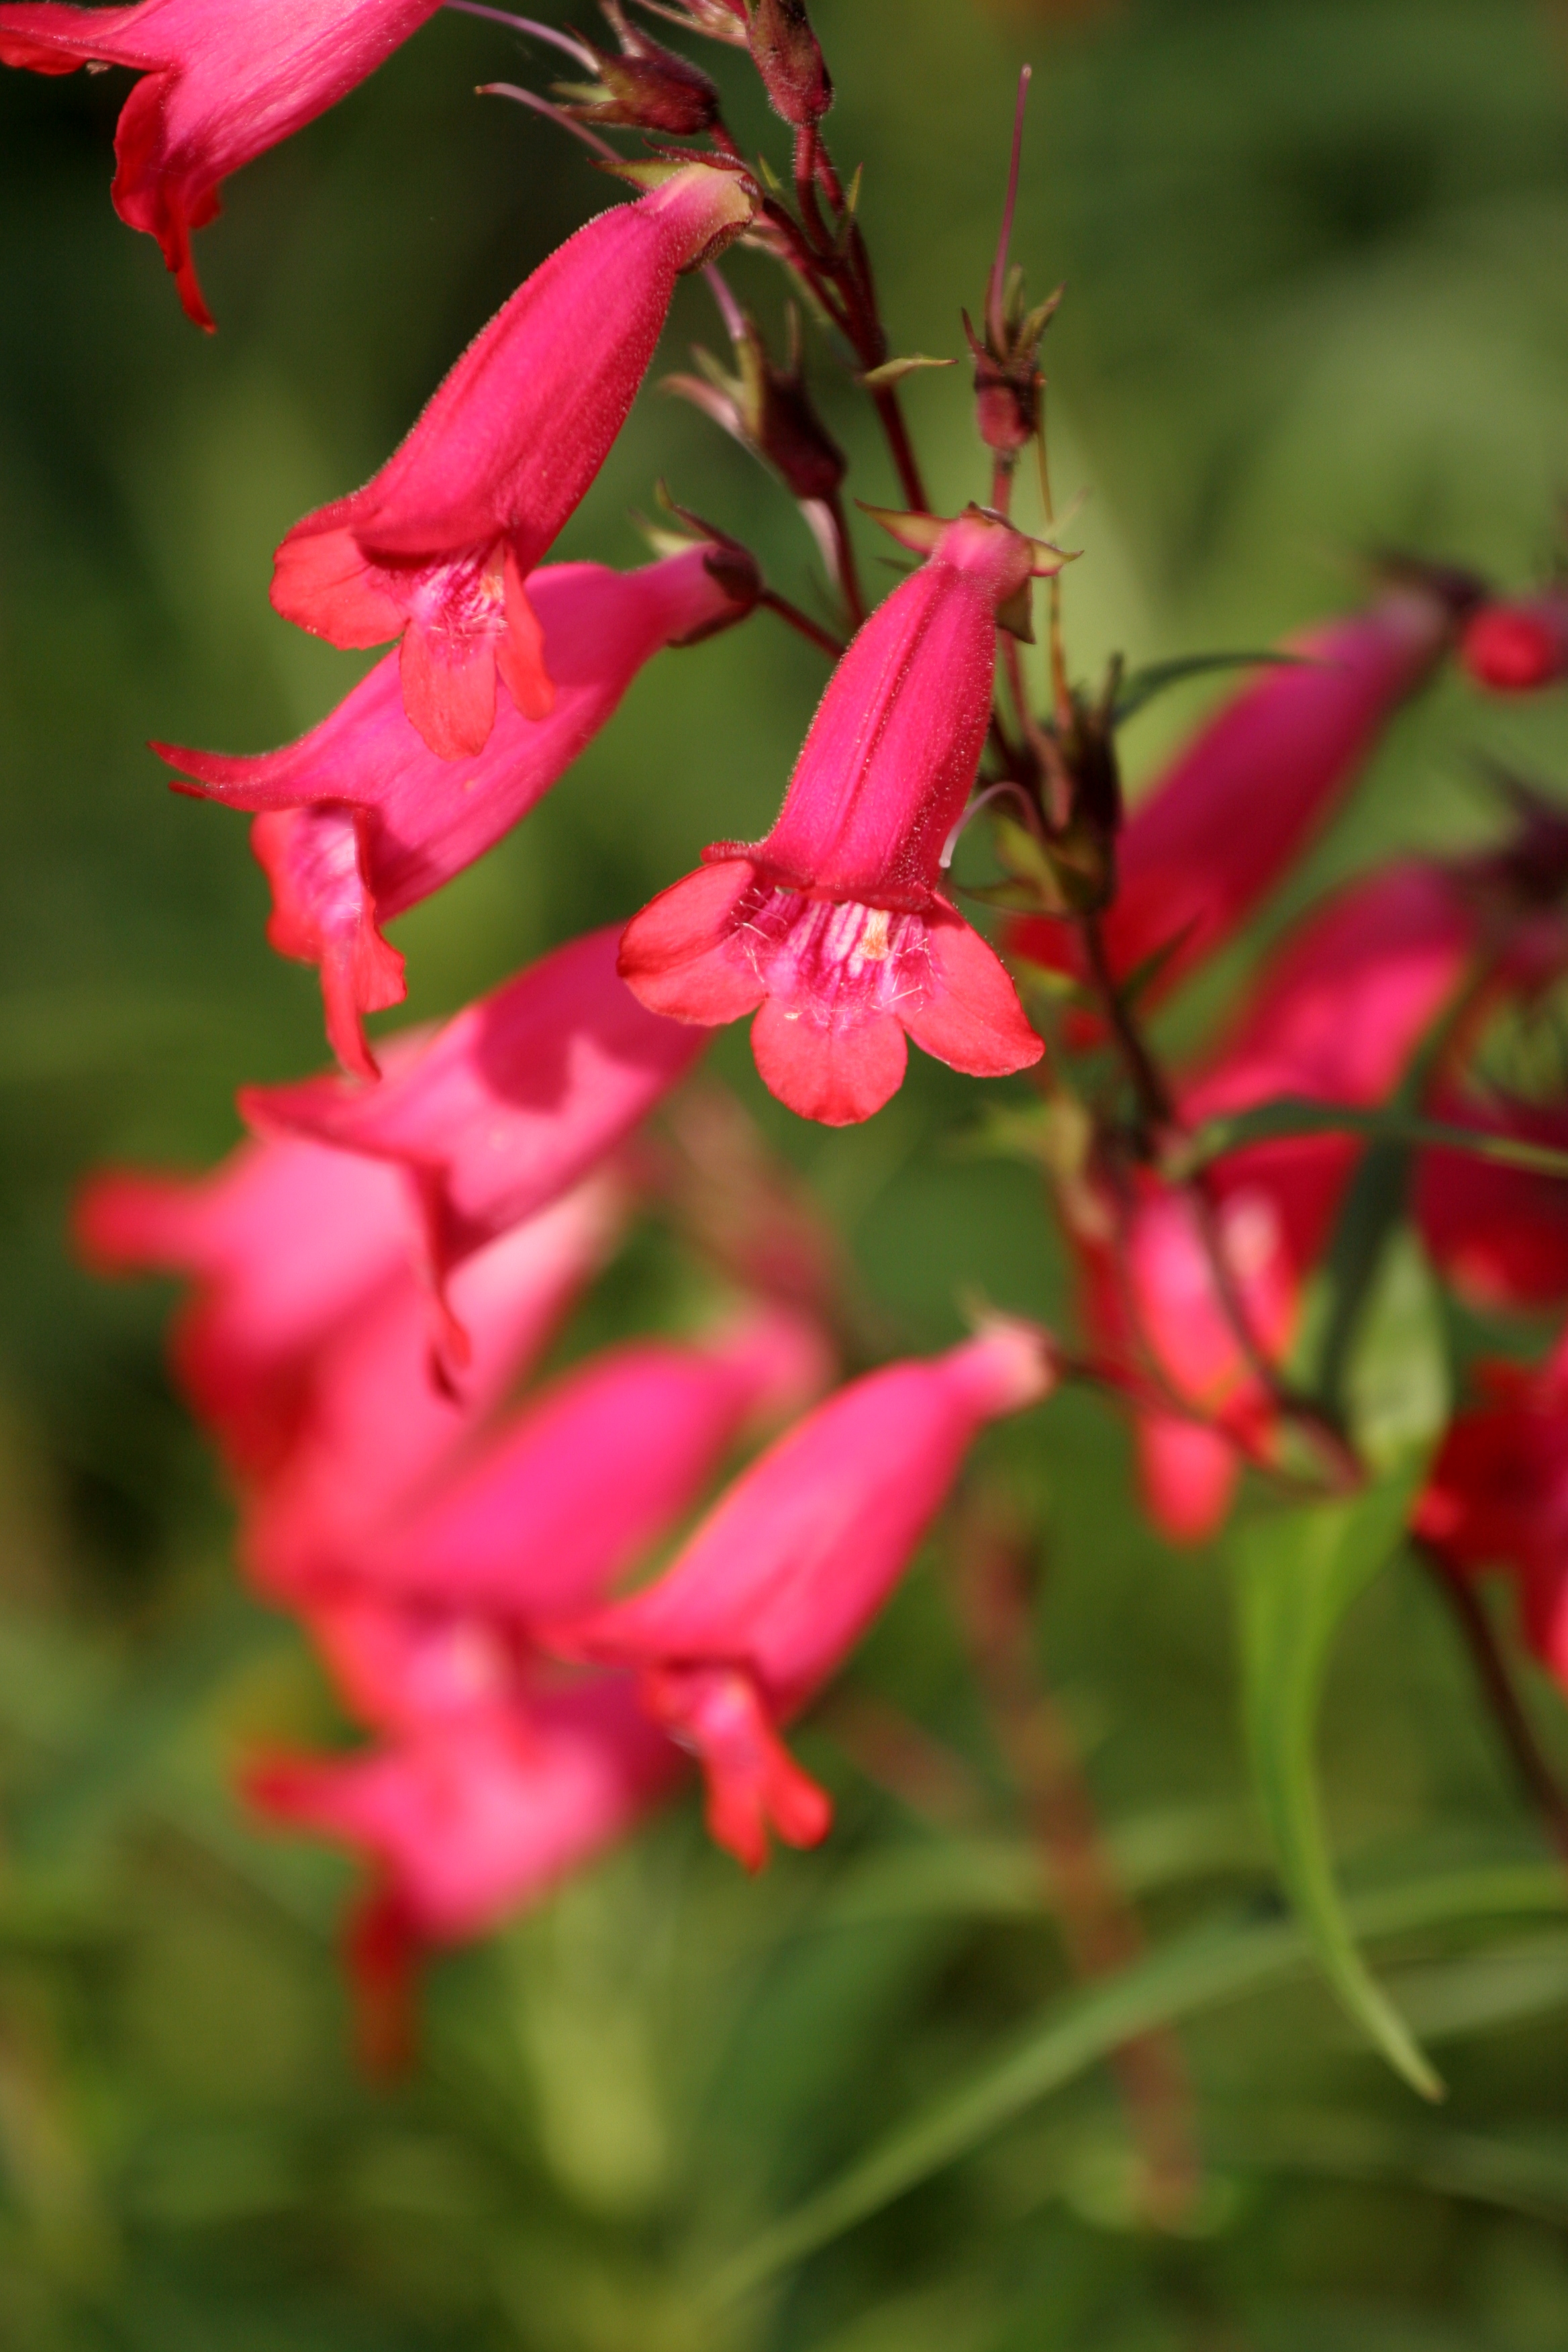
x,y
1101,1929
1518,1734
802,623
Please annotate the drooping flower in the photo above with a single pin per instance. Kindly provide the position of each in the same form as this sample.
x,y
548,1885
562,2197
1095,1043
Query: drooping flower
x,y
380,1422
1336,1018
1518,647
563,1497
467,1819
1497,1496
437,548
306,1348
359,820
1231,814
1499,1234
491,1781
789,1568
506,1105
223,81
835,926
285,1241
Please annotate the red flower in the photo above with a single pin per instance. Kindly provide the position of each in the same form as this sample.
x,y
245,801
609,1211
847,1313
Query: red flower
x,y
556,1503
835,925
306,1349
505,1107
359,820
224,80
787,1571
1516,648
1232,811
468,1818
1336,1019
491,1781
1499,1234
1497,1496
437,548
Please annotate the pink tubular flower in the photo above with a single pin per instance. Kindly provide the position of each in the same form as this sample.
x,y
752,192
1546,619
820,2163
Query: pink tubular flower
x,y
224,80
1498,1496
1229,818
478,1813
790,1566
493,1783
437,548
307,1347
560,1500
505,1107
359,821
1499,1234
377,1425
834,925
1518,647
467,1819
286,1241
1336,1019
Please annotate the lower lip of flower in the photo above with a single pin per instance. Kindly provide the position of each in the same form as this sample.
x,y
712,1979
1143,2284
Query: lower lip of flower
x,y
840,962
465,596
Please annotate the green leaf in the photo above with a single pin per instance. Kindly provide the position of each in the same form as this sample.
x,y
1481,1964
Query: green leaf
x,y
893,372
1288,1115
1398,1390
1142,685
1235,1955
1296,1573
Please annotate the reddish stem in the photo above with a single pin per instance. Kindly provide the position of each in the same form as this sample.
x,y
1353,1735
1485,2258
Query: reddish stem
x,y
1101,1929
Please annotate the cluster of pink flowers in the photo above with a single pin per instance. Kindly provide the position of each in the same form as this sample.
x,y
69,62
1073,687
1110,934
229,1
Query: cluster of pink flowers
x,y
381,1272
475,1544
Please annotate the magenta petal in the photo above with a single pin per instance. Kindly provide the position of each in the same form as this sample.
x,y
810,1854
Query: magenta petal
x,y
473,1819
420,819
508,1105
447,532
226,80
448,689
1189,1473
324,913
970,1016
838,1073
679,957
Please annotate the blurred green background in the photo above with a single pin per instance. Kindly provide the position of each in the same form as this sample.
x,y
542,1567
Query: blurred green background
x,y
1317,258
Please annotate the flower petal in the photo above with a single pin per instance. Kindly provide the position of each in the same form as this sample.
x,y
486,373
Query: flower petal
x,y
678,957
840,1076
971,1018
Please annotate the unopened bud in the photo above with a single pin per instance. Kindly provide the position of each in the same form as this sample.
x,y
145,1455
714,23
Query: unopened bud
x,y
1519,647
787,56
646,87
1007,379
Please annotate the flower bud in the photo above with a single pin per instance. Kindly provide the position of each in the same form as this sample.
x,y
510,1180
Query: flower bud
x,y
1519,646
787,56
646,88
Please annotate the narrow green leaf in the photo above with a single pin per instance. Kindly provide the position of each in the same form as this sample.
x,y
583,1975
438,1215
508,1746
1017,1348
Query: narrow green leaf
x,y
1288,1115
1235,1955
1142,685
1296,1573
1396,1387
893,372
